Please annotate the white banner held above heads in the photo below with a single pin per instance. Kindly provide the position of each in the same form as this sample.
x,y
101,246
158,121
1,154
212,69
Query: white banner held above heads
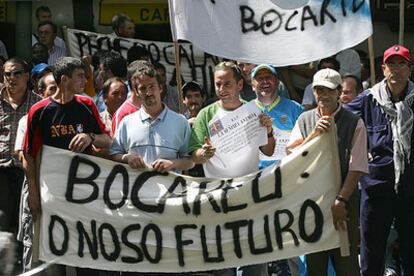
x,y
100,214
279,32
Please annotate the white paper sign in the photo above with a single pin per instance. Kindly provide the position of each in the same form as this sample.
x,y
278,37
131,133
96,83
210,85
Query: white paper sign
x,y
237,131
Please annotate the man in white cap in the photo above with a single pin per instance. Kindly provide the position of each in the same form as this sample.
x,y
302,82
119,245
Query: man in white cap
x,y
352,147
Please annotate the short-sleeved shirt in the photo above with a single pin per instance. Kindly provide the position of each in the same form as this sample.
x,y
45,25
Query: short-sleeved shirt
x,y
9,121
125,109
215,167
165,137
358,160
284,114
55,124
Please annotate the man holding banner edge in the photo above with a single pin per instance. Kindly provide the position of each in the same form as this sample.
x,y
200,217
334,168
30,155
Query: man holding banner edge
x,y
352,146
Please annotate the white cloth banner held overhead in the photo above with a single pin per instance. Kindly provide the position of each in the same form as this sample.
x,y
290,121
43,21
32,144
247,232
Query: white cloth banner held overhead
x,y
279,32
100,214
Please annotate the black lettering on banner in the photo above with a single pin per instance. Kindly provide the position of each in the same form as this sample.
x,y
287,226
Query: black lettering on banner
x,y
133,246
206,254
268,247
117,169
170,193
180,242
153,48
202,192
278,187
307,10
317,232
235,226
117,44
343,7
58,252
275,21
102,241
139,182
82,40
324,11
286,228
355,6
287,28
103,40
92,242
225,200
73,179
247,17
158,239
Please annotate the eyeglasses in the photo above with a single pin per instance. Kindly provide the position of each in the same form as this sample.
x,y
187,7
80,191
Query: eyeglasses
x,y
15,73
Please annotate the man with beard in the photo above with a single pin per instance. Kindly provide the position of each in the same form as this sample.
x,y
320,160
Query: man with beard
x,y
193,98
352,148
154,136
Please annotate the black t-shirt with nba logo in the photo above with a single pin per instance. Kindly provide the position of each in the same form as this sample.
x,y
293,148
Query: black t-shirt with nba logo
x,y
54,124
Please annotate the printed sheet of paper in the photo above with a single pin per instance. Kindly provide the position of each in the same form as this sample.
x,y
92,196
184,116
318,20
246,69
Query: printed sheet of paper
x,y
237,131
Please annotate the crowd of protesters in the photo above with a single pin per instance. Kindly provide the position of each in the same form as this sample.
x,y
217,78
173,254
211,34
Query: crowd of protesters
x,y
103,104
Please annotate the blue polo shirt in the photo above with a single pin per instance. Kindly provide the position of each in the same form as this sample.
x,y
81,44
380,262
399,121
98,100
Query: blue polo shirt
x,y
165,137
284,113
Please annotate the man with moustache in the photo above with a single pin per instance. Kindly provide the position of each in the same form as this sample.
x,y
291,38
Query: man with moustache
x,y
193,98
15,102
387,192
352,149
154,136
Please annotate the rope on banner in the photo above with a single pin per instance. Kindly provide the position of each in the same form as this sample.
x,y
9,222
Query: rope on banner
x,y
38,269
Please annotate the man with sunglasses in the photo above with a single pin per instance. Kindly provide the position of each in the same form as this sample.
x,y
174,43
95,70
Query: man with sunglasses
x,y
15,102
387,192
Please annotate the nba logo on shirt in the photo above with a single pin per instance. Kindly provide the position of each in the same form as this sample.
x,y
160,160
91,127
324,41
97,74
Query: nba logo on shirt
x,y
79,128
283,119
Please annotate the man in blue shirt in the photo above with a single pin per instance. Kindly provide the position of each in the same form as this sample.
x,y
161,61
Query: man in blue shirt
x,y
154,136
284,112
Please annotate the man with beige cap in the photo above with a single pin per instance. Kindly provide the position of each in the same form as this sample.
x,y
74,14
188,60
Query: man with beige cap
x,y
352,149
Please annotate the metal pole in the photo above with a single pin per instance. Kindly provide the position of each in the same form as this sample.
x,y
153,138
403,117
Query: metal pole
x,y
402,17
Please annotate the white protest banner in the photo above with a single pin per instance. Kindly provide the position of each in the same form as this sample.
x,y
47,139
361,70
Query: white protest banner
x,y
279,32
100,214
233,132
195,64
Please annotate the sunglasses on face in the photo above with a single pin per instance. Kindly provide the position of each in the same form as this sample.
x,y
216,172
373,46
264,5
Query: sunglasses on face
x,y
15,73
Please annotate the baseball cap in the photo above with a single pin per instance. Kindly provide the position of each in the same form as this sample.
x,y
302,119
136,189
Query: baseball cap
x,y
263,66
327,78
38,69
397,50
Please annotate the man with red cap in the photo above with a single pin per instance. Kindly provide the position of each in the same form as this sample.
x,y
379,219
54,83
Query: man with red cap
x,y
387,192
